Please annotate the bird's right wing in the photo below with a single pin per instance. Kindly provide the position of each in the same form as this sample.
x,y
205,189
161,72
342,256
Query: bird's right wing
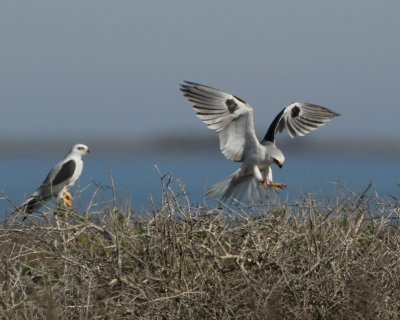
x,y
229,116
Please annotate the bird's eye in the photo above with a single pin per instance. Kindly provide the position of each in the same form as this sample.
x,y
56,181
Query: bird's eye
x,y
81,148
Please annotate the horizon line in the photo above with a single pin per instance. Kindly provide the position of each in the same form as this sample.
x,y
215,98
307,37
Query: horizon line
x,y
176,143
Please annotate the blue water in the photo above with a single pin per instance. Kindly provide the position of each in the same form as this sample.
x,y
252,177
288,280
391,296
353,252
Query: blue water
x,y
136,178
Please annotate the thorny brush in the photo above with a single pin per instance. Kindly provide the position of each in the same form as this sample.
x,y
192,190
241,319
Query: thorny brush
x,y
306,260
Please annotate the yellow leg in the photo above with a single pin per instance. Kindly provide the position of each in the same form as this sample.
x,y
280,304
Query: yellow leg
x,y
67,198
276,185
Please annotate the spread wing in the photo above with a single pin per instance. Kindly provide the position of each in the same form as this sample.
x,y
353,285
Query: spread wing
x,y
299,119
229,116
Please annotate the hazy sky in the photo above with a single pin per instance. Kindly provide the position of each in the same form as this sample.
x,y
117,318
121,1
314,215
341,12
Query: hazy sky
x,y
112,68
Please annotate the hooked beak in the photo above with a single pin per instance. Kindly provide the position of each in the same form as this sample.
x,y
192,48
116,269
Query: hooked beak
x,y
280,165
88,150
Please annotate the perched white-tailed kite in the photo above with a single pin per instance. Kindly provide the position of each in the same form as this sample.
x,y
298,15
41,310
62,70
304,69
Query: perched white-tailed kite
x,y
232,119
60,178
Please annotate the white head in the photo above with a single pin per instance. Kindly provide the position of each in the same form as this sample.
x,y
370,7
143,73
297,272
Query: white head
x,y
277,157
79,149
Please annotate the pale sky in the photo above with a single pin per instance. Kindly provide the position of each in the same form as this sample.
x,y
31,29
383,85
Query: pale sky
x,y
112,68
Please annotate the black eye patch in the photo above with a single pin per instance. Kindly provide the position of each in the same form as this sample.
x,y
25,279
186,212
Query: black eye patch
x,y
81,148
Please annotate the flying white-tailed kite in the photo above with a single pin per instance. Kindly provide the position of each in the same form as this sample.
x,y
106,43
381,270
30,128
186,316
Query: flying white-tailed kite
x,y
232,119
58,181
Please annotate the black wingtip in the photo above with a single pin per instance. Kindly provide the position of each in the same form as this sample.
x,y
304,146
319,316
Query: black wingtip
x,y
187,84
184,87
191,83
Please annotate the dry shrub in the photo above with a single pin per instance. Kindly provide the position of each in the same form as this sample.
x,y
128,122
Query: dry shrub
x,y
302,261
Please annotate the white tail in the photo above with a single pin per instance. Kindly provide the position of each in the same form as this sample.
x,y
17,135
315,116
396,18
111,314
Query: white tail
x,y
236,186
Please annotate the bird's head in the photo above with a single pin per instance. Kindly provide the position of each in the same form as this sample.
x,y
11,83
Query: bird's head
x,y
80,149
278,158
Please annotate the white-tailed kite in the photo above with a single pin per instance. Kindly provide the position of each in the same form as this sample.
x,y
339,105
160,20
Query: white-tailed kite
x,y
60,178
232,119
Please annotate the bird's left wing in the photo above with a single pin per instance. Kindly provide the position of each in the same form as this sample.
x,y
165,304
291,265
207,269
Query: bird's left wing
x,y
298,119
65,173
228,115
55,181
59,175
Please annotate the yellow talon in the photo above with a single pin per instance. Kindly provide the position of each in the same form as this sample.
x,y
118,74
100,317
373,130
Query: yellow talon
x,y
67,195
276,185
67,198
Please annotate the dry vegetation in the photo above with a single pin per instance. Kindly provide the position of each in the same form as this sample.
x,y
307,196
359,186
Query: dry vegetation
x,y
337,260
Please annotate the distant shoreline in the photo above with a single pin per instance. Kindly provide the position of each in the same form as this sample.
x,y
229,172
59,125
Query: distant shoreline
x,y
179,143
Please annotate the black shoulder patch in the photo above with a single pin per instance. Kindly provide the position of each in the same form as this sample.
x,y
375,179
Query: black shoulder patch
x,y
270,135
231,104
295,111
66,172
